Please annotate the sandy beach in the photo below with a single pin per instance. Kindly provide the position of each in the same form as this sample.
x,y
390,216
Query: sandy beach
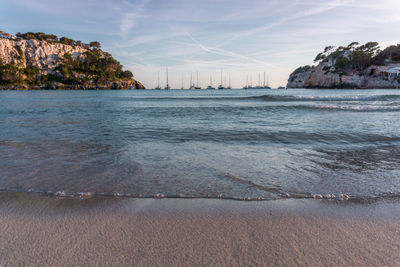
x,y
45,231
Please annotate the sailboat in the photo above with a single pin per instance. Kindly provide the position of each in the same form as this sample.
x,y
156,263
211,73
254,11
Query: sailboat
x,y
251,82
258,86
266,86
247,82
192,87
167,87
229,86
210,87
221,86
182,88
158,82
197,86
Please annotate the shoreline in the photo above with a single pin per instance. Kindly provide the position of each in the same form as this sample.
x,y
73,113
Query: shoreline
x,y
39,230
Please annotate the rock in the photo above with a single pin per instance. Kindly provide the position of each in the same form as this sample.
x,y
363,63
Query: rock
x,y
46,56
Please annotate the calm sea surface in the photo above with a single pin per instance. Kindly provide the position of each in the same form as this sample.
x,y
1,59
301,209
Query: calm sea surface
x,y
255,144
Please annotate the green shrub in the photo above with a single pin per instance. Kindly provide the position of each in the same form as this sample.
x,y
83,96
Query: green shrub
x,y
342,62
95,44
302,69
67,41
38,36
10,74
31,70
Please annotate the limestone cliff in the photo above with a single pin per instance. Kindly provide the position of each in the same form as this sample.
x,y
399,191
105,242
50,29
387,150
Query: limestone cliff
x,y
340,69
52,65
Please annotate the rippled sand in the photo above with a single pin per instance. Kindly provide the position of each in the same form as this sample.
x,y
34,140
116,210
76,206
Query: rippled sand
x,y
125,232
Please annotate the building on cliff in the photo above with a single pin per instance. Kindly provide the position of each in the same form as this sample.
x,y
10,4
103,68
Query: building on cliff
x,y
392,73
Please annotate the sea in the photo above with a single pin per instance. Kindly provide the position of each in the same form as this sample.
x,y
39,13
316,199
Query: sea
x,y
220,144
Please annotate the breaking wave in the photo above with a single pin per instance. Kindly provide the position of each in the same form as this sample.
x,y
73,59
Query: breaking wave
x,y
279,195
354,108
268,98
283,98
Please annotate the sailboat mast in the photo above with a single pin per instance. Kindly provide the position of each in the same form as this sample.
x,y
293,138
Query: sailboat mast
x,y
221,78
264,80
167,78
197,78
229,80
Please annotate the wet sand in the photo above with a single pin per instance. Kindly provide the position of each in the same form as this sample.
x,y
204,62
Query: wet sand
x,y
148,232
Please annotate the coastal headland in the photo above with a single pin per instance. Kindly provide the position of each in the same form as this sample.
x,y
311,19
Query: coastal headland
x,y
353,66
44,61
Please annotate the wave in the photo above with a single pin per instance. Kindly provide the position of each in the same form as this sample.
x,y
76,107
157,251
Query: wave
x,y
269,98
348,98
250,136
280,195
354,108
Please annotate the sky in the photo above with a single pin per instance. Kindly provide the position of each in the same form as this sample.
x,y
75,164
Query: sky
x,y
243,38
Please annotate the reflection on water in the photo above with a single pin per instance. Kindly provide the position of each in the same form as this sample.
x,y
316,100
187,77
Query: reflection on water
x,y
256,144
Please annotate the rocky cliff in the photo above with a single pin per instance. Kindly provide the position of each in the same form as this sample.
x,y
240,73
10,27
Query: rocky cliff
x,y
35,64
341,69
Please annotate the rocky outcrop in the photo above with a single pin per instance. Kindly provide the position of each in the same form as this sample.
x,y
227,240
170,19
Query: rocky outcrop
x,y
315,77
341,69
323,76
44,55
47,58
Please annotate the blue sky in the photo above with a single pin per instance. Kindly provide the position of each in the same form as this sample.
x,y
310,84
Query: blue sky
x,y
240,37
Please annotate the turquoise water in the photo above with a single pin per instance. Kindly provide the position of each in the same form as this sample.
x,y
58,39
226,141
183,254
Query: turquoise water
x,y
240,144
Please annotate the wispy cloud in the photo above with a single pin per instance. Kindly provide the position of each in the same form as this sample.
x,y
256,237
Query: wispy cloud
x,y
131,13
321,8
225,53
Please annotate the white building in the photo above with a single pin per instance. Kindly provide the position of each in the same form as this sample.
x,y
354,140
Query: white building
x,y
392,73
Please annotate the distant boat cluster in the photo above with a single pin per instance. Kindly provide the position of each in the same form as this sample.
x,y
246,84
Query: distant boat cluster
x,y
221,86
264,85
